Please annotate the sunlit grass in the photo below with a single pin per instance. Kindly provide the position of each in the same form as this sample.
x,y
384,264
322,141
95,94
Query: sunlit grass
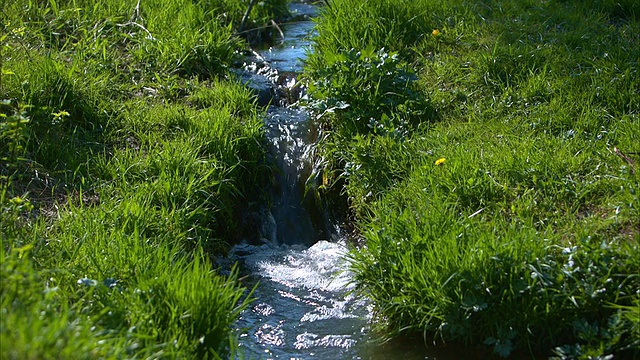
x,y
128,157
507,217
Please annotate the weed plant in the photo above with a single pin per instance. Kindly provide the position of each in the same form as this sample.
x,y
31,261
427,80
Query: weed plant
x,y
506,216
128,157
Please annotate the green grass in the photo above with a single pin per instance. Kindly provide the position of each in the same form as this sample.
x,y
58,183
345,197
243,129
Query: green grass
x,y
129,156
525,240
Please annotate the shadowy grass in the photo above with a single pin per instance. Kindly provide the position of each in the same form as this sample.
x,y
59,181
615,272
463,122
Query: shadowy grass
x,y
506,215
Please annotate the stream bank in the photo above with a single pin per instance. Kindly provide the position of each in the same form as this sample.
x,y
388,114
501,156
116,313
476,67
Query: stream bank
x,y
305,301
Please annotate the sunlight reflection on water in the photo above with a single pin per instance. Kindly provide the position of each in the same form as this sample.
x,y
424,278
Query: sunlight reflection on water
x,y
305,305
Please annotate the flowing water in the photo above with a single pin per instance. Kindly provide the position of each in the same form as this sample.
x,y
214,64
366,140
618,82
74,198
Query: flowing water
x,y
304,304
303,308
289,53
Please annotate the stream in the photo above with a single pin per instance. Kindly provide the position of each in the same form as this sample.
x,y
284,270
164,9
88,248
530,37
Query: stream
x,y
304,304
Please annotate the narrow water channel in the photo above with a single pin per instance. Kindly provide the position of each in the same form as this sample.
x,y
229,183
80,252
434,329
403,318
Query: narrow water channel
x,y
304,304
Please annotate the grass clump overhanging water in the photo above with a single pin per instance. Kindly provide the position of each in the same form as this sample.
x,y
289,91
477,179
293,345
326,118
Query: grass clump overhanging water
x,y
489,152
129,156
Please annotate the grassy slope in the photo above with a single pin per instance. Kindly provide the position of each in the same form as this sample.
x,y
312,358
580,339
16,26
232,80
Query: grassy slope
x,y
526,237
127,157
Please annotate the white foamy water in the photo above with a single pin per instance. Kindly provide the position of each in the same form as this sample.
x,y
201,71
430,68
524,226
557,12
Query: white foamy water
x,y
305,306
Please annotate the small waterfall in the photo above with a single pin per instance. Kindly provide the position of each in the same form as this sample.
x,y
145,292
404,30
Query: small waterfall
x,y
299,218
294,215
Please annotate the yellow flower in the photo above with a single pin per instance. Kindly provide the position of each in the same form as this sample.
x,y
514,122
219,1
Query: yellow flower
x,y
440,161
435,32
